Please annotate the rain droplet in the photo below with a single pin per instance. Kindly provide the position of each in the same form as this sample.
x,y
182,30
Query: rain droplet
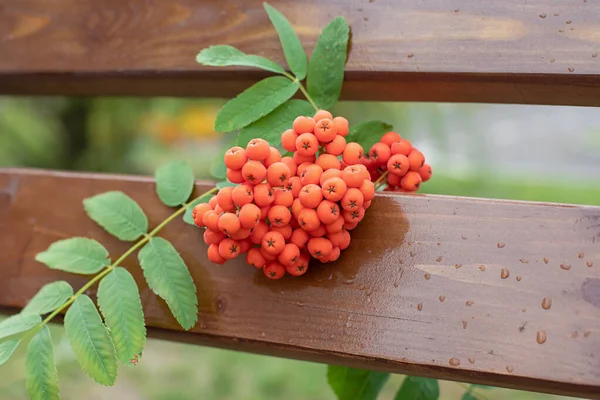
x,y
463,237
541,337
471,360
438,259
523,310
482,267
546,303
581,255
410,55
594,55
427,276
574,334
518,278
442,298
438,243
586,333
556,14
568,22
509,369
419,306
589,264
455,362
542,16
501,245
348,281
545,260
300,304
504,273
412,253
457,266
332,337
464,324
566,267
523,261
396,284
263,334
469,303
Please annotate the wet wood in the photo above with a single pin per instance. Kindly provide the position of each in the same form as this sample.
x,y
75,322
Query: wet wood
x,y
379,306
507,51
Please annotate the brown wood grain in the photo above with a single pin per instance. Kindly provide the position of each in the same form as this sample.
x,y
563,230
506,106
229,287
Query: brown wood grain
x,y
380,306
509,51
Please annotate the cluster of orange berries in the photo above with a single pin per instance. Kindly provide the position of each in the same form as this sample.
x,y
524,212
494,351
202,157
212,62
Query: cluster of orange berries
x,y
396,160
286,210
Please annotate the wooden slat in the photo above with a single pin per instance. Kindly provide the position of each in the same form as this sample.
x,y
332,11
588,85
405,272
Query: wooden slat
x,y
509,51
419,291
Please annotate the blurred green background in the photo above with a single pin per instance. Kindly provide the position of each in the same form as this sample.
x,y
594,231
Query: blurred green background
x,y
495,151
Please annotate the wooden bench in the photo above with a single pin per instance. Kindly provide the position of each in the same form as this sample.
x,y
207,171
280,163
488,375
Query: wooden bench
x,y
503,293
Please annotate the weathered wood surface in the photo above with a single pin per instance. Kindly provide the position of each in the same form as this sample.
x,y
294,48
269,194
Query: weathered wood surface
x,y
510,51
420,290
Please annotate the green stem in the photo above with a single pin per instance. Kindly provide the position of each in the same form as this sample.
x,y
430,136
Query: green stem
x,y
119,260
379,182
302,89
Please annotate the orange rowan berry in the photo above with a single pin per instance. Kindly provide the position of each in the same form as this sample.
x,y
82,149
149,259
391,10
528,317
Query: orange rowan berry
x,y
235,157
297,207
322,114
291,164
307,144
255,258
311,175
416,160
334,189
380,154
341,124
333,256
242,194
319,247
319,232
241,234
393,180
350,225
411,181
352,200
336,146
367,188
325,130
249,215
198,212
355,215
330,173
367,162
354,176
259,231
273,242
288,140
398,164
328,161
303,124
299,268
278,174
309,219
229,223
274,270
352,153
245,245
213,237
258,149
302,167
211,220
218,209
274,156
263,194
289,255
213,202
335,226
294,185
310,196
234,175
367,204
328,211
390,138
340,239
229,249
299,159
225,200
283,197
264,212
279,216
268,256
425,172
299,237
403,147
254,172
286,231
214,255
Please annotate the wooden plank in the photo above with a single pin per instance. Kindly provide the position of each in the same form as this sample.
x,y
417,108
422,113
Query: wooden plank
x,y
419,291
509,51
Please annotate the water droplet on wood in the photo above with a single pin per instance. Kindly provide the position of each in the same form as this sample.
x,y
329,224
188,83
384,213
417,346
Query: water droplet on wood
x,y
541,337
586,333
509,369
518,278
504,273
396,284
463,237
464,324
482,268
566,267
523,261
438,259
546,303
501,245
263,334
581,255
574,334
469,303
471,360
348,281
457,266
545,260
442,298
455,362
427,276
568,22
419,306
589,263
542,16
410,55
523,310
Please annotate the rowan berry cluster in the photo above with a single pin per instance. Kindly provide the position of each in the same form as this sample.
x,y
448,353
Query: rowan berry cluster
x,y
287,210
396,160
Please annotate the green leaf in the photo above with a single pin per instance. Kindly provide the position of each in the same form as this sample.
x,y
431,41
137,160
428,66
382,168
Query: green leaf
x,y
368,133
170,279
351,383
218,169
120,304
484,387
290,42
326,66
118,213
77,255
18,324
468,396
254,103
49,298
90,341
224,56
273,125
187,216
41,377
416,388
174,183
7,349
222,184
